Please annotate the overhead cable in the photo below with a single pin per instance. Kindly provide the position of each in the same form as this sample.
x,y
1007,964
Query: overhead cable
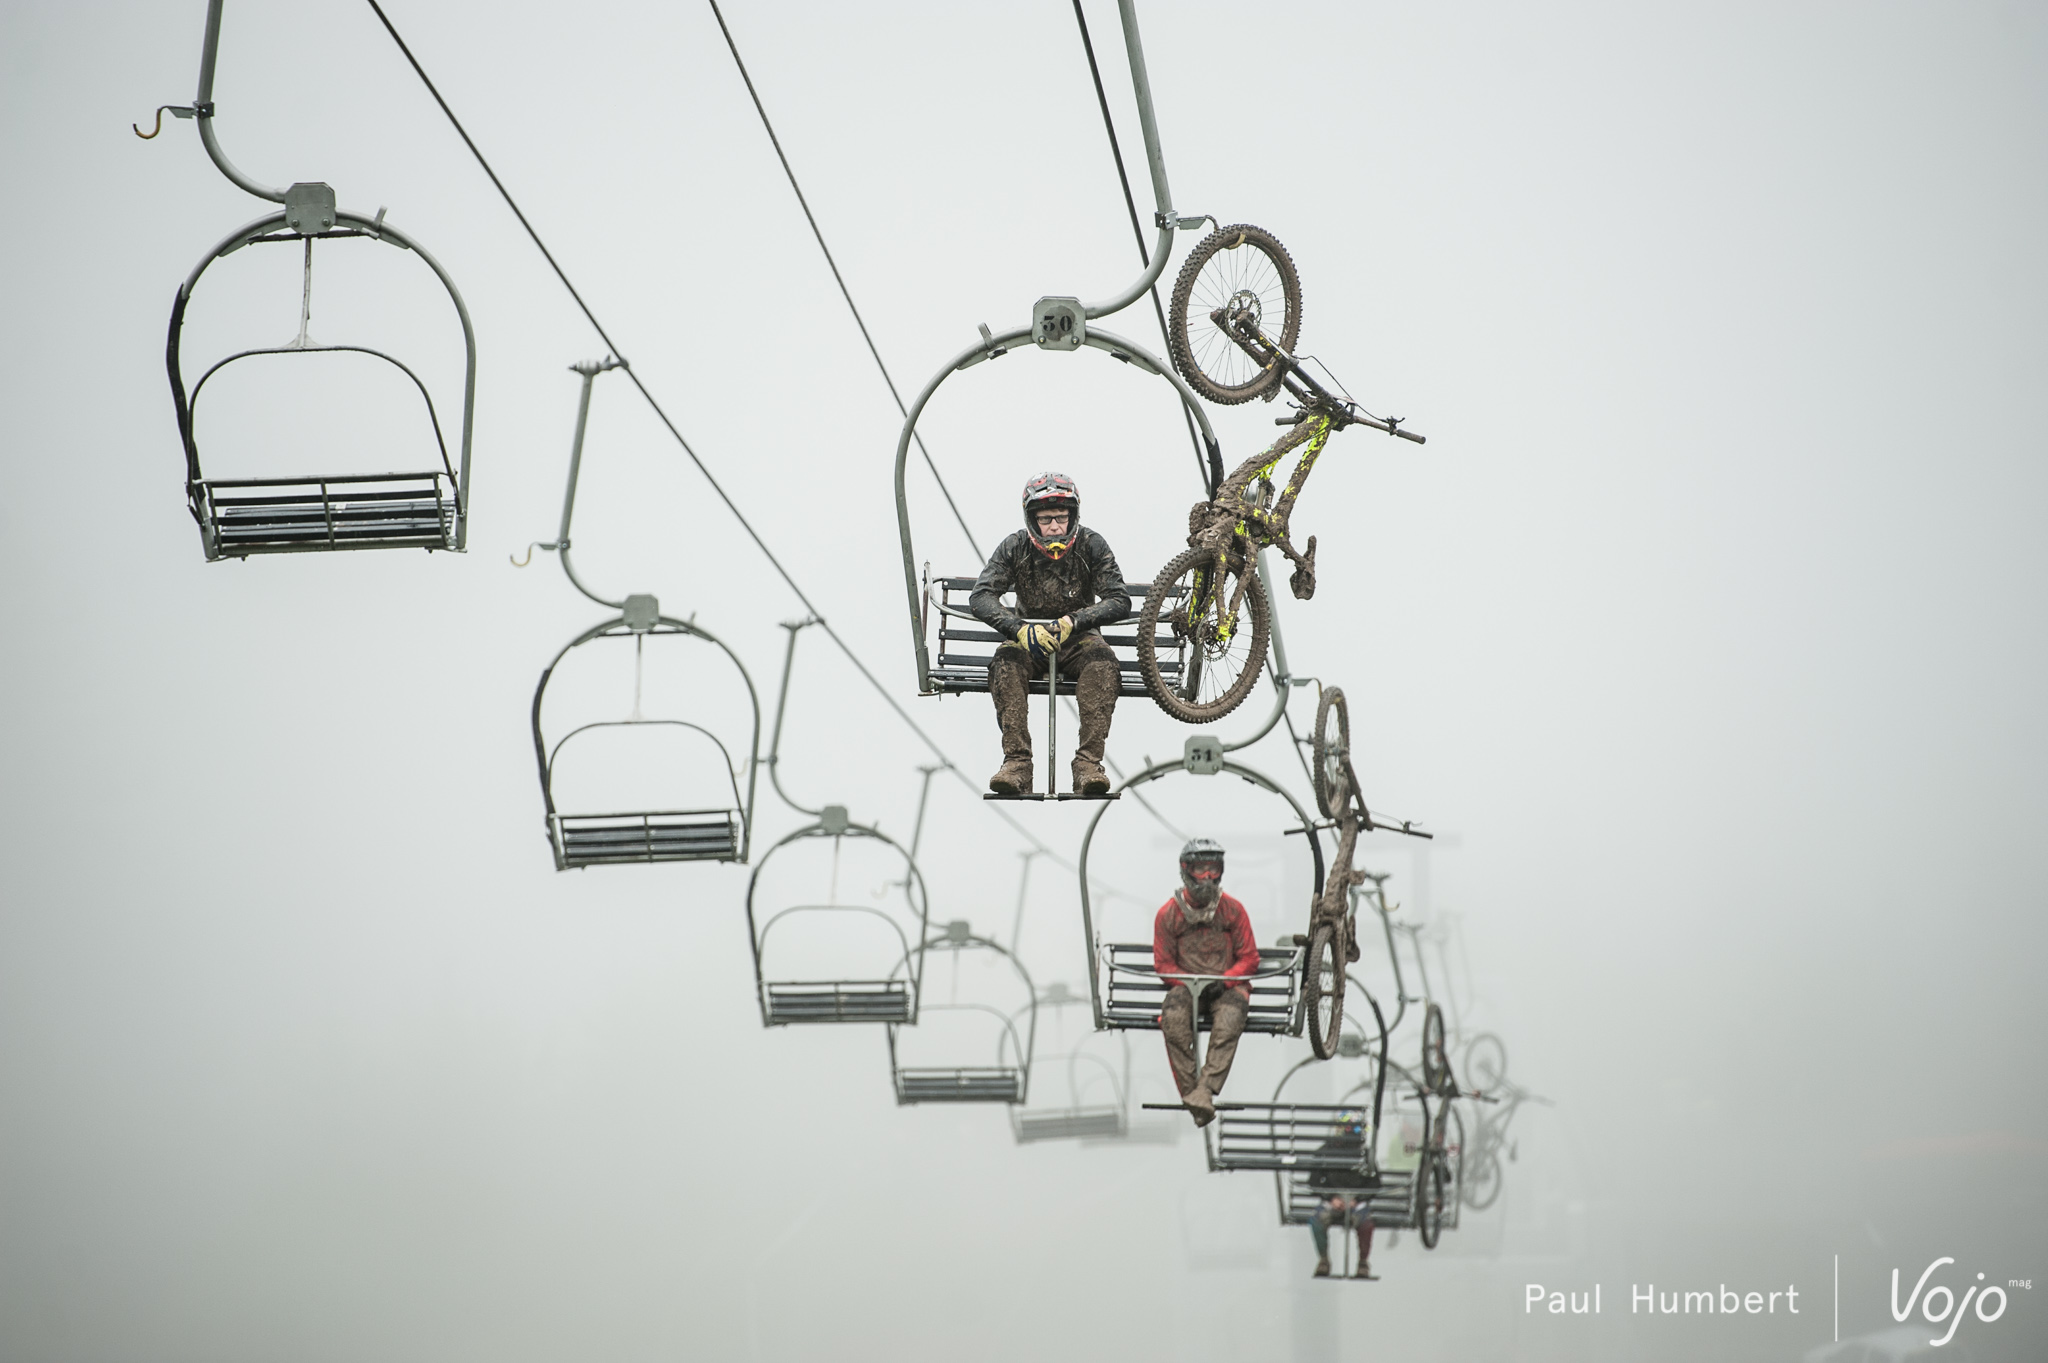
x,y
840,279
739,516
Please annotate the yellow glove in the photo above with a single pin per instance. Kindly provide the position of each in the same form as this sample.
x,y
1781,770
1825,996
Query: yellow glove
x,y
1051,638
1027,638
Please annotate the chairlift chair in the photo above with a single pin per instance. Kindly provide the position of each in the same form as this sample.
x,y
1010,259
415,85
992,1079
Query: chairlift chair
x,y
305,512
581,838
1085,1074
1123,981
892,997
1002,1082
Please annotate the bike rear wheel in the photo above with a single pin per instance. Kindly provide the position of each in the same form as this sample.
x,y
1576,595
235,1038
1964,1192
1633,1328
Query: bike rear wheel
x,y
1486,1061
1436,1065
1220,658
1332,752
1237,270
1322,991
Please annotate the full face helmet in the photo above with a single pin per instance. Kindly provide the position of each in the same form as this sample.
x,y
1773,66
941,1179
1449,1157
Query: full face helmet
x,y
1201,873
1052,492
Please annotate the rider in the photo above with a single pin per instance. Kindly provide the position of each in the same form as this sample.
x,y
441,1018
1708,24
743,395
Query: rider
x,y
1346,1196
1203,931
1066,574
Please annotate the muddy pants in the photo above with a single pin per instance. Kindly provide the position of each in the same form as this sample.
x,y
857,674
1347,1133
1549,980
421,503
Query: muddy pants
x,y
1088,661
1226,1009
1328,1215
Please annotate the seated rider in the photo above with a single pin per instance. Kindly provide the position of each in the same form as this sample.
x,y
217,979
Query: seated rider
x,y
1346,1196
1203,931
1065,574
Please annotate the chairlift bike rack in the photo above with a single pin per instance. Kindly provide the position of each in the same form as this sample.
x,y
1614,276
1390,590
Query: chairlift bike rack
x,y
581,840
238,517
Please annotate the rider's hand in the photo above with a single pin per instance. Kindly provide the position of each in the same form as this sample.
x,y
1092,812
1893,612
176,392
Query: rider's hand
x,y
1051,638
1027,639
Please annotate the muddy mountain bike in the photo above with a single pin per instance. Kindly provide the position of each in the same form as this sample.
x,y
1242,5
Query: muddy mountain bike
x,y
1231,330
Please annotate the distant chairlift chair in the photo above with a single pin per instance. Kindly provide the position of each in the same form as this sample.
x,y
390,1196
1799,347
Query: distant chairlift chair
x,y
1002,1082
581,839
1086,1073
890,998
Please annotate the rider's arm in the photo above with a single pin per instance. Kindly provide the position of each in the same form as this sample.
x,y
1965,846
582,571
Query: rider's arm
x,y
997,576
1244,948
1106,580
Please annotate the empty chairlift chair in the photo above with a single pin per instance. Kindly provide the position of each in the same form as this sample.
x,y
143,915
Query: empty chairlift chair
x,y
300,511
889,995
1093,1089
582,837
1008,1079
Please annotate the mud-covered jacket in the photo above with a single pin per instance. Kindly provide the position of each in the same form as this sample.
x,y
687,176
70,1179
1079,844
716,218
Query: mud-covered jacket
x,y
1084,582
1348,1147
1222,946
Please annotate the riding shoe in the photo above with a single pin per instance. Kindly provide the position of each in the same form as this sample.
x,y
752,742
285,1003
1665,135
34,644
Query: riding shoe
x,y
1013,777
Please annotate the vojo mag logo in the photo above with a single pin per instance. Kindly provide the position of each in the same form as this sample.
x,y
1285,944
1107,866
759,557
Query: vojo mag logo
x,y
1951,1311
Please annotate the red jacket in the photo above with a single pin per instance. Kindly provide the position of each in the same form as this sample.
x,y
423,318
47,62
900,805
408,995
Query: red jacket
x,y
1222,946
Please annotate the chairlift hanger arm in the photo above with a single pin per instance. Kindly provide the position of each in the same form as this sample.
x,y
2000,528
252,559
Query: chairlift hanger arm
x,y
1164,218
203,111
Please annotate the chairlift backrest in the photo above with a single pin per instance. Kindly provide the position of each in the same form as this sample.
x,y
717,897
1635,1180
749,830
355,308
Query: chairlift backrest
x,y
965,644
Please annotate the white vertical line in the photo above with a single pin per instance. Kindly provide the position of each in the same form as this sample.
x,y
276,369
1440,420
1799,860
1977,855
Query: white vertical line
x,y
1838,1299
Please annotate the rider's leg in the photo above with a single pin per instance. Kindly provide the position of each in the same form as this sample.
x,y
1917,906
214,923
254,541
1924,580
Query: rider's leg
x,y
1177,1026
1097,680
1319,1231
1364,1269
1008,672
1226,1024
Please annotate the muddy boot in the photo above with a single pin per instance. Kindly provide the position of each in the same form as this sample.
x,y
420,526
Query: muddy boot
x,y
1322,1268
1201,1105
1006,685
1095,696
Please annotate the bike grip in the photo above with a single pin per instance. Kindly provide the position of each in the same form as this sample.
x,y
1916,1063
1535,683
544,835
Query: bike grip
x,y
1410,435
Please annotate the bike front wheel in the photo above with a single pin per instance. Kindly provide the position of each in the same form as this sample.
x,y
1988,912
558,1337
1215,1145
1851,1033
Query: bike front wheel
x,y
1217,630
1236,273
1322,990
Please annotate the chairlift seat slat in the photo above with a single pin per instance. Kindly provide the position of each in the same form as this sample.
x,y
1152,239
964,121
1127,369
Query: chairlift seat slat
x,y
684,835
357,511
836,1001
959,1085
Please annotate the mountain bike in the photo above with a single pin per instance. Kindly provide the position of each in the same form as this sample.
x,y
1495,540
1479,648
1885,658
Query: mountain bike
x,y
1221,618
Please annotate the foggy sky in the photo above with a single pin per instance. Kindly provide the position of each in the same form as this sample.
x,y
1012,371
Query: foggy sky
x,y
1708,629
